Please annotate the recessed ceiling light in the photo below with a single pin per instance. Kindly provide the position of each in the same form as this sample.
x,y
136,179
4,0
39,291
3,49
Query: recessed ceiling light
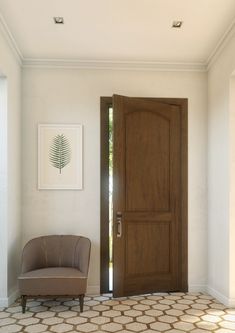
x,y
177,24
58,20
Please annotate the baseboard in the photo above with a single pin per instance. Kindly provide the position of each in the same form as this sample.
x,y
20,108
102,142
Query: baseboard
x,y
93,290
197,288
220,297
3,302
231,302
7,301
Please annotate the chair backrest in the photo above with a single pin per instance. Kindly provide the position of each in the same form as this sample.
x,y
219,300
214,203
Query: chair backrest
x,y
56,251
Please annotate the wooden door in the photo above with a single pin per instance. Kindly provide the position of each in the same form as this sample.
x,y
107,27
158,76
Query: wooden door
x,y
149,195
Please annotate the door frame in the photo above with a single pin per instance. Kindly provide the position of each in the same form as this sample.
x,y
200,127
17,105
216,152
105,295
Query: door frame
x,y
105,103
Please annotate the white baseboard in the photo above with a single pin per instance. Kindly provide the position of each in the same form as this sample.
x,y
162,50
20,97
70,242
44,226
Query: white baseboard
x,y
197,288
3,302
7,301
93,290
220,297
231,302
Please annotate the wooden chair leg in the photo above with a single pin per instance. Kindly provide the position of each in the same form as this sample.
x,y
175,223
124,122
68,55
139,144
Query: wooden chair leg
x,y
81,302
23,303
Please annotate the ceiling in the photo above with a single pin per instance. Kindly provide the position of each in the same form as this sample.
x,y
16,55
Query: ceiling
x,y
118,30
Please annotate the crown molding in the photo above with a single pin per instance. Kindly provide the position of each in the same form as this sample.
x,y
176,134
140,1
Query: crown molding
x,y
135,65
223,41
116,65
112,65
10,39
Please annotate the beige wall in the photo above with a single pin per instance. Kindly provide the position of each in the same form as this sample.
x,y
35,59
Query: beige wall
x,y
10,224
72,96
221,182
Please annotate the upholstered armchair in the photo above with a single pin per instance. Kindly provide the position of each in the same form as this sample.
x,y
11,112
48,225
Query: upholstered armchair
x,y
54,266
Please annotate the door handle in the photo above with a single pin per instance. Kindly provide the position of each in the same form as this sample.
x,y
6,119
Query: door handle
x,y
119,224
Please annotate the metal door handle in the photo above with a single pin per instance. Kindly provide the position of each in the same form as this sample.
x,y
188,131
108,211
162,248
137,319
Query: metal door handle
x,y
119,224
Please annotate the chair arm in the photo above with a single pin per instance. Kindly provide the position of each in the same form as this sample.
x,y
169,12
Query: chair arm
x,y
83,250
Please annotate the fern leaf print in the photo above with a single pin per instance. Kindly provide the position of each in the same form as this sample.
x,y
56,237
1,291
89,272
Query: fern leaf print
x,y
60,152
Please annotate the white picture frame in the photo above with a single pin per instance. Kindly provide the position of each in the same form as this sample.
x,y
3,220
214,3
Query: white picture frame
x,y
60,157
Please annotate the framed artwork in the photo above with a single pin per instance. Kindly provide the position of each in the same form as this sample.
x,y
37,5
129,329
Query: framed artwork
x,y
60,157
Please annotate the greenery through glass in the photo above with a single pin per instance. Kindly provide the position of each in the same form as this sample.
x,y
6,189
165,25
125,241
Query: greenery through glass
x,y
110,198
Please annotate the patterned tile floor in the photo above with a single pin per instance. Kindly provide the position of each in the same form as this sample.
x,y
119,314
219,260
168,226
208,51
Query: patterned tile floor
x,y
171,313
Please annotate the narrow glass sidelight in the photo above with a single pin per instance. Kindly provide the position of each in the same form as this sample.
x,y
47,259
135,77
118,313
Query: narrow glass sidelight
x,y
110,198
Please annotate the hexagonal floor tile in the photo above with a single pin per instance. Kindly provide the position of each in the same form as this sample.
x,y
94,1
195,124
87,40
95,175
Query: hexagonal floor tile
x,y
145,319
76,320
100,320
227,324
132,313
129,302
174,312
207,325
167,319
89,314
52,321
189,318
101,308
123,319
87,327
11,329
154,313
45,314
136,327
67,314
59,308
184,326
4,314
121,307
7,321
72,302
160,326
61,328
111,327
37,309
28,321
211,318
111,313
158,312
141,307
229,317
161,307
14,309
37,328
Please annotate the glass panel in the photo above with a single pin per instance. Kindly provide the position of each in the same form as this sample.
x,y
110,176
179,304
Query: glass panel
x,y
110,198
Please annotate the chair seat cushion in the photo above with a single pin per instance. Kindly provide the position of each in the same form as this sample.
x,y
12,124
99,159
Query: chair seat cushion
x,y
53,281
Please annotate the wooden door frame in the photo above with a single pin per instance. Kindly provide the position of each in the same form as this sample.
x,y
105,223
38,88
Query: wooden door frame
x,y
105,103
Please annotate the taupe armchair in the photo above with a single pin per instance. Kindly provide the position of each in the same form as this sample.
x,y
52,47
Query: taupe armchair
x,y
54,266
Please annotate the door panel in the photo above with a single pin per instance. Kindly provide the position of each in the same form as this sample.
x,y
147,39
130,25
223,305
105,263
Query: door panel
x,y
147,259
145,147
147,196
